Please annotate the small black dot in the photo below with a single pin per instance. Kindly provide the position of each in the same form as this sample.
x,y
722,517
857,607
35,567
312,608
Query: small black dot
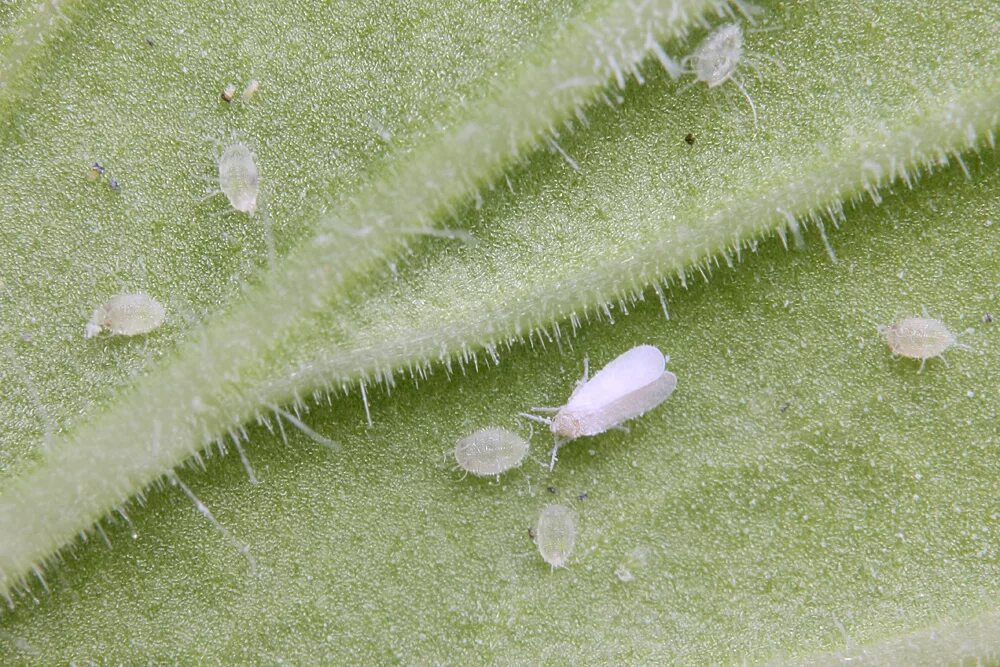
x,y
551,490
582,496
689,138
987,317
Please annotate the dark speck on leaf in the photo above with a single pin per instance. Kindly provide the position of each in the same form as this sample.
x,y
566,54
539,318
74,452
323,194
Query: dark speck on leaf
x,y
689,138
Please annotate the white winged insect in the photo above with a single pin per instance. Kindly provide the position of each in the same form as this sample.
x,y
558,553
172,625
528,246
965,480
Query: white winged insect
x,y
631,385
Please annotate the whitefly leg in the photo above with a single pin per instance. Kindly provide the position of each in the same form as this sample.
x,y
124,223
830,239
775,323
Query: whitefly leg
x,y
535,418
555,450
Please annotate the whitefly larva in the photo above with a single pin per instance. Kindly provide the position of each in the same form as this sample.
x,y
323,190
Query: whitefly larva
x,y
717,58
920,338
239,179
126,315
490,451
631,385
555,534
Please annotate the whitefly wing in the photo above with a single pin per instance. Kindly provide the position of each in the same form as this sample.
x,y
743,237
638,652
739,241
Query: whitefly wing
x,y
631,405
637,368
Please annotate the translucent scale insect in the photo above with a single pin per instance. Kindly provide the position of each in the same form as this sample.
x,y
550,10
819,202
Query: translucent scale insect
x,y
239,179
628,387
555,534
920,338
717,59
490,451
126,315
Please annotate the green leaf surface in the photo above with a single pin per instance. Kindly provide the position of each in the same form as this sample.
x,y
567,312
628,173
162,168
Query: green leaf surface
x,y
801,492
208,388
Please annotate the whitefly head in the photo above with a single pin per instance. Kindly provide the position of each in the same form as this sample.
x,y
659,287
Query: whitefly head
x,y
717,57
490,451
555,534
239,179
126,315
566,426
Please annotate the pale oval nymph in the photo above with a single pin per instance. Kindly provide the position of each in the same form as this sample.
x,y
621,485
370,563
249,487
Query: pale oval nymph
x,y
555,534
239,179
920,338
126,315
630,385
715,60
490,451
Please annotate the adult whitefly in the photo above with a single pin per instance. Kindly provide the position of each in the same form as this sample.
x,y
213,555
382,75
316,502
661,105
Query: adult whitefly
x,y
239,179
629,386
555,534
490,451
126,315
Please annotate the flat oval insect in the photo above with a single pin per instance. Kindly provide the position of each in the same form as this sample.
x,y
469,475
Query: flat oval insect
x,y
715,60
126,315
490,451
239,179
920,338
628,387
555,534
